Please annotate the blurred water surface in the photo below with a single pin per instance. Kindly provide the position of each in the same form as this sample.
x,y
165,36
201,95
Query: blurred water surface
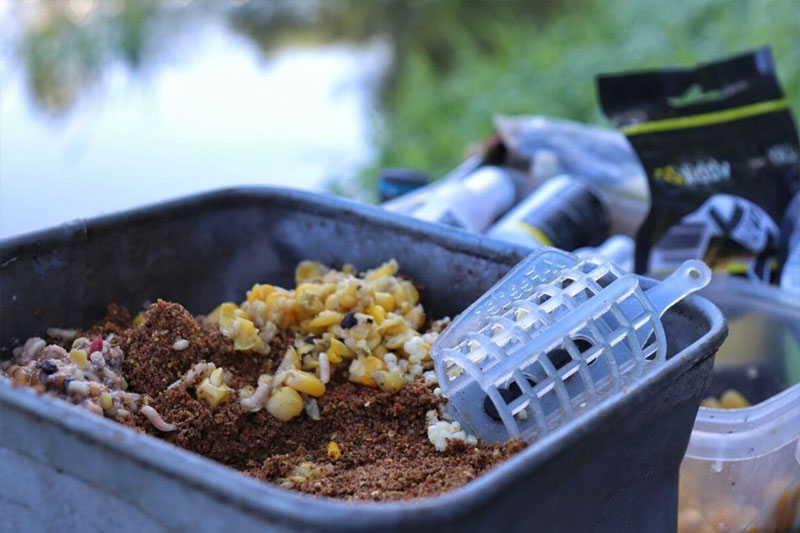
x,y
113,104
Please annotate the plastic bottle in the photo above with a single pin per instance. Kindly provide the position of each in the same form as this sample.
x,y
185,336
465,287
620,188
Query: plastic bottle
x,y
563,212
472,203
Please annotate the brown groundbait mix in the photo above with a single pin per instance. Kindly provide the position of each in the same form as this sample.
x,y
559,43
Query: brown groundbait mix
x,y
326,389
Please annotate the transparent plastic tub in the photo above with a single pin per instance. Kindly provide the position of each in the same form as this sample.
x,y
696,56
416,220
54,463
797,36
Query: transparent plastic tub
x,y
742,467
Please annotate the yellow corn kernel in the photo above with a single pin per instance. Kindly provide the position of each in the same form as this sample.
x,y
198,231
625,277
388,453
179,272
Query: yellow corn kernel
x,y
711,403
333,451
303,347
347,295
325,319
281,308
393,324
138,320
333,357
380,351
399,296
377,312
397,340
216,377
389,268
307,300
265,379
415,317
340,349
285,404
385,300
361,370
291,359
212,394
226,314
412,295
306,382
79,358
214,316
309,271
310,362
106,401
347,301
733,399
389,381
332,302
259,292
373,339
246,337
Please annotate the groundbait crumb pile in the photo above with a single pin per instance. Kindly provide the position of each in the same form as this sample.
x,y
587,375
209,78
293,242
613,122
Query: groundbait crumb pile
x,y
327,388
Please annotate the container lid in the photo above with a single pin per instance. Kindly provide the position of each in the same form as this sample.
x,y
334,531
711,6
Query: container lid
x,y
747,433
760,359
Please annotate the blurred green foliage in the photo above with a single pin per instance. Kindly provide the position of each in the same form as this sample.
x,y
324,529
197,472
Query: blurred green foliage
x,y
509,64
65,55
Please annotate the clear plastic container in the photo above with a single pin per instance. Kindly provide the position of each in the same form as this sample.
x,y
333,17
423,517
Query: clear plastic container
x,y
742,467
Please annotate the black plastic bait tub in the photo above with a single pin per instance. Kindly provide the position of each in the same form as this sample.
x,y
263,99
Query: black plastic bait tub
x,y
614,469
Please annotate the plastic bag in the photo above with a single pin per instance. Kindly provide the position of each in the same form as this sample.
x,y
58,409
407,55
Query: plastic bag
x,y
720,149
601,156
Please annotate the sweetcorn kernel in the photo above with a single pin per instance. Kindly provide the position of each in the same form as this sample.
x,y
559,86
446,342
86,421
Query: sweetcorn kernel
x,y
285,404
333,451
396,341
393,324
246,336
389,381
389,268
333,357
412,294
79,358
310,362
213,394
214,316
225,315
373,337
347,295
340,351
325,319
733,399
281,308
309,271
217,377
306,382
415,317
291,359
307,301
385,300
259,292
106,401
377,312
332,302
361,370
380,351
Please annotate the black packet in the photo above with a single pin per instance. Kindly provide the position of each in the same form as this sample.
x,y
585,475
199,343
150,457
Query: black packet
x,y
720,148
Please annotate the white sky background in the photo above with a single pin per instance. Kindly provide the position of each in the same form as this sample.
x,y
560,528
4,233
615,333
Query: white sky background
x,y
220,116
